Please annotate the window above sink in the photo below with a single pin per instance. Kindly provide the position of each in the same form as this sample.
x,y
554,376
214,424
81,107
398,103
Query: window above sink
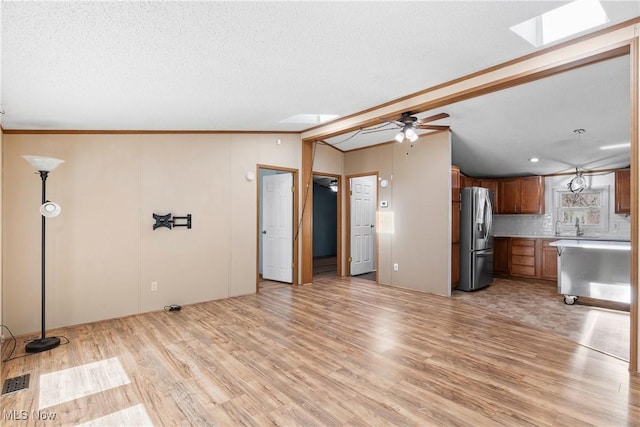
x,y
589,209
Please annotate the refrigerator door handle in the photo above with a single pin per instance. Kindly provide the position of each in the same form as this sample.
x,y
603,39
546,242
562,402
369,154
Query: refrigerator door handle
x,y
488,219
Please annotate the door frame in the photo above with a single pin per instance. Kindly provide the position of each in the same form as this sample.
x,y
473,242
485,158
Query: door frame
x,y
296,224
347,254
340,193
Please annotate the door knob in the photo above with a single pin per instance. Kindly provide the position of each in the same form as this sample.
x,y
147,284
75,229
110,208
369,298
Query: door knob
x,y
264,231
371,225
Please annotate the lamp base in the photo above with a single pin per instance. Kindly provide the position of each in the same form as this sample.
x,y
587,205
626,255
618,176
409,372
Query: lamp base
x,y
42,344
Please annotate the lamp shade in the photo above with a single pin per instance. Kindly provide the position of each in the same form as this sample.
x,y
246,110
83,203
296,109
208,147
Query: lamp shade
x,y
50,209
411,135
41,163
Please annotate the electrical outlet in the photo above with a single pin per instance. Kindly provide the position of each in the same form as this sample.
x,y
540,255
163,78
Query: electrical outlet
x,y
396,267
154,286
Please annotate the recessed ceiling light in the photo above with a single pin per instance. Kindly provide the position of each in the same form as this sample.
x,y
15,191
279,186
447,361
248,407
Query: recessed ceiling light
x,y
564,21
534,160
614,146
310,118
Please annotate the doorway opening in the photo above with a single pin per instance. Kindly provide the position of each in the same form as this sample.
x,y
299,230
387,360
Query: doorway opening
x,y
363,202
277,217
326,229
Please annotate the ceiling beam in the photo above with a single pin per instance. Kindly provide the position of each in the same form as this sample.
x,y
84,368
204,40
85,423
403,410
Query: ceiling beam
x,y
596,47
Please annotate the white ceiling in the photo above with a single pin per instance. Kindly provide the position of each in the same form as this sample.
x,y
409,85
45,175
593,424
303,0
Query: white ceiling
x,y
495,135
247,65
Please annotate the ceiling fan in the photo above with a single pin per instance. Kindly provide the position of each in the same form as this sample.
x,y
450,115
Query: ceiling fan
x,y
407,123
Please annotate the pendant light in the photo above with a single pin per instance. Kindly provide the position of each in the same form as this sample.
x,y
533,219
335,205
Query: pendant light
x,y
578,183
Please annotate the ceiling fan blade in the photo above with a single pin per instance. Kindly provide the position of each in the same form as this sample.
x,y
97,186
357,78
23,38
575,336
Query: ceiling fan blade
x,y
395,122
365,132
433,127
434,118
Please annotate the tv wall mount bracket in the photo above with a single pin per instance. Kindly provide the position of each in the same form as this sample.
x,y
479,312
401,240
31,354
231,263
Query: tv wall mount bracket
x,y
169,222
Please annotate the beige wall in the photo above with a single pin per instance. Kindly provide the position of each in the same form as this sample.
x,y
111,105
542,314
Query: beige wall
x,y
328,160
102,253
414,231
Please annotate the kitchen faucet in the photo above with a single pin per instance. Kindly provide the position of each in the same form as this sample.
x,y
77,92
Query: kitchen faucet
x,y
578,231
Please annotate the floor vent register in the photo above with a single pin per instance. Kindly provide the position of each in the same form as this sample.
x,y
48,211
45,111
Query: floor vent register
x,y
11,385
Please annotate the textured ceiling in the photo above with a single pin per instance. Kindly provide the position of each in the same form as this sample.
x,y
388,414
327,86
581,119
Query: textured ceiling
x,y
243,65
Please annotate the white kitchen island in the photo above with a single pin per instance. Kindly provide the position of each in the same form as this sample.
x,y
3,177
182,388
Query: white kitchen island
x,y
598,269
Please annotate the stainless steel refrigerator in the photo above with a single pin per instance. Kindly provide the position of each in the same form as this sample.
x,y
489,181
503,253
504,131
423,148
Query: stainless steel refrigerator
x,y
476,238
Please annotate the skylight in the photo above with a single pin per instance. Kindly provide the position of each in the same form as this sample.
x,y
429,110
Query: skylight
x,y
562,22
614,146
310,118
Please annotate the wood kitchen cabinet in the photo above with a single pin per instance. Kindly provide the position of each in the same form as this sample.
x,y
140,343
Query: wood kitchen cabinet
x,y
623,191
501,256
455,184
492,184
523,257
466,181
521,195
455,222
549,264
509,190
455,265
455,226
532,195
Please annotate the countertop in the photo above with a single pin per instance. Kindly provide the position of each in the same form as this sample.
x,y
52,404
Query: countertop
x,y
566,237
593,244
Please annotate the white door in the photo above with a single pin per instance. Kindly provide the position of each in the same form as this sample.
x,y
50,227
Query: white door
x,y
363,221
277,227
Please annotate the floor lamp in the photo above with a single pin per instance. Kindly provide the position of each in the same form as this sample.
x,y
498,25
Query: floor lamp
x,y
48,209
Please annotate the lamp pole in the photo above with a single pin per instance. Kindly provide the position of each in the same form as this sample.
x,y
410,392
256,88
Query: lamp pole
x,y
43,175
43,165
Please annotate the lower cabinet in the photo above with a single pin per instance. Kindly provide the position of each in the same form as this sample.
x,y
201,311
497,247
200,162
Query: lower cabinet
x,y
455,265
501,256
525,257
549,261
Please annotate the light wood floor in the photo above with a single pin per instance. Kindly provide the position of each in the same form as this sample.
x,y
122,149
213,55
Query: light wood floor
x,y
339,352
601,325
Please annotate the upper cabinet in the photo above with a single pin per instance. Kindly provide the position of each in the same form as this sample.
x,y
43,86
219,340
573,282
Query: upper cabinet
x,y
509,191
623,191
521,195
532,195
466,181
492,184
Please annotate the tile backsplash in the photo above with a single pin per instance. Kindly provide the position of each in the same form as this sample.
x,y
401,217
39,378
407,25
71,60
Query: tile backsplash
x,y
542,225
619,226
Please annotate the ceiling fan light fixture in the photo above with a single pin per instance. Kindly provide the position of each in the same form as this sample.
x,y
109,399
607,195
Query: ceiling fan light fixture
x,y
400,136
411,135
